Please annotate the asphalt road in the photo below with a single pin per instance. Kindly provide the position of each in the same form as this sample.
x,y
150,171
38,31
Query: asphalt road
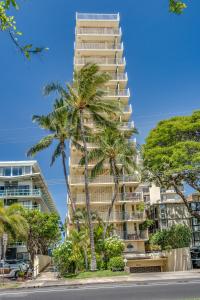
x,y
149,291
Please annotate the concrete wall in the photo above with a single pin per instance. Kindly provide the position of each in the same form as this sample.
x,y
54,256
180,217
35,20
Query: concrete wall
x,y
40,262
178,259
154,194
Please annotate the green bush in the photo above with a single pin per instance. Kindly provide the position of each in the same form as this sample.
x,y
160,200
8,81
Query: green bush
x,y
177,236
67,257
113,246
116,263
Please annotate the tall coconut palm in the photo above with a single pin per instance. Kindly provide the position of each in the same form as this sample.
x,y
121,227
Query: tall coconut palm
x,y
58,128
85,96
12,222
114,148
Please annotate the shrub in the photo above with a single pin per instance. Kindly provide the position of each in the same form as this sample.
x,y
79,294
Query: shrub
x,y
177,236
113,246
67,257
116,263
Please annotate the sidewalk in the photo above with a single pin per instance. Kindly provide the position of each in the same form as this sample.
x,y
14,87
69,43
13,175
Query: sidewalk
x,y
48,280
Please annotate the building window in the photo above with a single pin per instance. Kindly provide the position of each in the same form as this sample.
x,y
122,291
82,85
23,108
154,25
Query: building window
x,y
17,171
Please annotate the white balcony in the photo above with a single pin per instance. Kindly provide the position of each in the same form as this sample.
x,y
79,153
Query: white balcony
x,y
99,31
122,216
105,198
20,193
99,17
104,180
119,77
104,63
99,46
134,236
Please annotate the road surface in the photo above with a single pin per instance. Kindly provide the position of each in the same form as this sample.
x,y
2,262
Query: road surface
x,y
189,290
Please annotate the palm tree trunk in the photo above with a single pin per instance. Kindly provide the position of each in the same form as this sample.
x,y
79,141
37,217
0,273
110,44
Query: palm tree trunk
x,y
113,198
68,187
85,258
87,196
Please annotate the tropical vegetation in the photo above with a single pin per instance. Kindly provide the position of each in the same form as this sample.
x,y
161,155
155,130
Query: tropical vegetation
x,y
177,236
172,155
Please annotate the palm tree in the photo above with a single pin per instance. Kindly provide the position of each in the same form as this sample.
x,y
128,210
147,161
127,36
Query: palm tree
x,y
12,222
85,97
114,148
58,128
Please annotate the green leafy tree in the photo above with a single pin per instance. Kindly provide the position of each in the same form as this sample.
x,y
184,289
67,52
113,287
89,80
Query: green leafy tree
x,y
172,155
85,96
176,6
8,24
114,148
43,233
177,236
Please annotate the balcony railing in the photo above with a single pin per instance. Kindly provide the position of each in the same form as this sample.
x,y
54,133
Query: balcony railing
x,y
119,76
20,193
104,179
100,61
139,235
97,46
99,31
122,216
106,198
103,17
116,93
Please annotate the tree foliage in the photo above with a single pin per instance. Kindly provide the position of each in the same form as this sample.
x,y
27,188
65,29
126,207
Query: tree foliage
x,y
113,246
44,231
177,236
177,6
8,24
172,154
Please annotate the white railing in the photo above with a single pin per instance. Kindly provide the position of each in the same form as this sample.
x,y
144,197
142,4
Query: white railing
x,y
120,76
30,207
106,197
127,108
139,235
103,17
122,216
20,192
126,125
104,179
100,30
99,61
115,93
101,46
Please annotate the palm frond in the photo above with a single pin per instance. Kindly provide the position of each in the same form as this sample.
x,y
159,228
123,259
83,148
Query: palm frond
x,y
41,145
56,154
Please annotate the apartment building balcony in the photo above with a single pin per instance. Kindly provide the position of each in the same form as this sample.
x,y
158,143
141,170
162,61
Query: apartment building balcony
x,y
105,63
135,236
7,193
122,216
97,20
98,33
98,48
105,198
104,180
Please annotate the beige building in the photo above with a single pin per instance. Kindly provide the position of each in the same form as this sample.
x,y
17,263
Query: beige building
x,y
99,40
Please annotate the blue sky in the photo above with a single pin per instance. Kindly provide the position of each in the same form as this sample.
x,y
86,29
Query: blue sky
x,y
163,65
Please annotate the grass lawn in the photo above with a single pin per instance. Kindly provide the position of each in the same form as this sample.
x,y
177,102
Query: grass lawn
x,y
101,273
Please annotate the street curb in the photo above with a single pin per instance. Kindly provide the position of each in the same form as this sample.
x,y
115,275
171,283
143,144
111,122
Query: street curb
x,y
78,284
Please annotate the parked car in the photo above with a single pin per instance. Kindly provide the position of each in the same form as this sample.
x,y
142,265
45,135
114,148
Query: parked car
x,y
23,266
8,270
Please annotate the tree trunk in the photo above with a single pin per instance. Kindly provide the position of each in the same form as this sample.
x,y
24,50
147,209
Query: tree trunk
x,y
116,181
68,188
85,258
193,213
87,196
